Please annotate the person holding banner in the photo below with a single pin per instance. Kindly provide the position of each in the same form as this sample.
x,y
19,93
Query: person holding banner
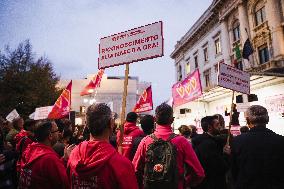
x,y
190,171
131,131
95,163
18,125
41,166
210,153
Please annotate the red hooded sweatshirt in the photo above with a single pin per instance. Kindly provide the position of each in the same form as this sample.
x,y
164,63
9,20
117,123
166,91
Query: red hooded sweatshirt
x,y
96,164
131,131
186,157
21,145
42,169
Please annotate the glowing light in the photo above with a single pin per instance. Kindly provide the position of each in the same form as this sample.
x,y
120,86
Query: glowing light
x,y
91,90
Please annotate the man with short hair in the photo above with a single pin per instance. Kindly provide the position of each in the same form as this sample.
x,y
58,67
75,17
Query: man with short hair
x,y
189,169
95,163
147,123
209,149
41,166
258,154
131,131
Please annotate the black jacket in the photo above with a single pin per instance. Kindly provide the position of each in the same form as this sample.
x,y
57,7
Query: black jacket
x,y
209,151
258,160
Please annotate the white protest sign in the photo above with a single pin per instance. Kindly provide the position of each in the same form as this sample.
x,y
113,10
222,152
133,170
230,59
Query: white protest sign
x,y
42,112
32,115
134,45
242,107
234,79
12,115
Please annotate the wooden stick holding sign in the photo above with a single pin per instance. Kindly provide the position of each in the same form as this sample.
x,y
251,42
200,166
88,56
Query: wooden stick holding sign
x,y
231,114
123,107
137,44
236,80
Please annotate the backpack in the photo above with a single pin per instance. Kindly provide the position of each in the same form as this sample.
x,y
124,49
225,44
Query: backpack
x,y
160,169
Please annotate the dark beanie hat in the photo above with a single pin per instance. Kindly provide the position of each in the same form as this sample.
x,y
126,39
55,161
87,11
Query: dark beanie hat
x,y
131,117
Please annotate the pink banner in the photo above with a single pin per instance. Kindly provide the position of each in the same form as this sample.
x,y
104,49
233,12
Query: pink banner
x,y
187,90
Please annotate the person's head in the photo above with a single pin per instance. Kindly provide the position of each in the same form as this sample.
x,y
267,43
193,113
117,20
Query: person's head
x,y
257,116
164,114
67,124
131,117
18,123
67,135
29,125
210,124
185,131
147,124
46,132
99,120
221,121
193,129
244,129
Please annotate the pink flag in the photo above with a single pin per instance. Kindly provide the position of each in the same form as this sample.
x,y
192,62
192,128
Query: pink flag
x,y
187,90
145,102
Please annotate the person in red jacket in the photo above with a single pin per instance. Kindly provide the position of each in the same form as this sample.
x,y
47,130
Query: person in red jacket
x,y
131,131
41,166
190,171
23,139
95,163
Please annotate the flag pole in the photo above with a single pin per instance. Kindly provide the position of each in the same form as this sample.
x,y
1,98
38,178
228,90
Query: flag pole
x,y
230,123
123,107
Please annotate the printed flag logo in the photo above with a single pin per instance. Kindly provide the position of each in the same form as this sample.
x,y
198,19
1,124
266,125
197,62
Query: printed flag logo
x,y
93,84
62,105
145,102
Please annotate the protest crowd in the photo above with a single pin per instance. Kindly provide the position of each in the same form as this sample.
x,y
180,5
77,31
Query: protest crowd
x,y
50,154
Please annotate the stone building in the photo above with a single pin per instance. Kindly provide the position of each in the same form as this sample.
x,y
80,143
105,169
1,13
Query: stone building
x,y
214,37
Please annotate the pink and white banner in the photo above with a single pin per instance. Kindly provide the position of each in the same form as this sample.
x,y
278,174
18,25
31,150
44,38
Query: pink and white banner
x,y
187,90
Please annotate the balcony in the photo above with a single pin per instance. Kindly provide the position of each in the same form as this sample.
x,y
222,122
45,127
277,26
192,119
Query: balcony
x,y
271,66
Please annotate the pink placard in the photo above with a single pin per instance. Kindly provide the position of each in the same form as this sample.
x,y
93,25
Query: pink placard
x,y
187,90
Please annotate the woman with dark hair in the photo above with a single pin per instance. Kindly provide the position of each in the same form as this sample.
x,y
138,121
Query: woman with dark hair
x,y
185,131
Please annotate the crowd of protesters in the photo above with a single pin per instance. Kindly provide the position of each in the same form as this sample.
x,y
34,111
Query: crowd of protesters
x,y
56,154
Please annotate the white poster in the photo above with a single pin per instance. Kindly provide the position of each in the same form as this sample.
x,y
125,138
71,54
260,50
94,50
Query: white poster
x,y
12,115
42,112
134,45
234,79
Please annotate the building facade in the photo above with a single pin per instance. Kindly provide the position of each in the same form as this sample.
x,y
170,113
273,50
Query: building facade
x,y
214,38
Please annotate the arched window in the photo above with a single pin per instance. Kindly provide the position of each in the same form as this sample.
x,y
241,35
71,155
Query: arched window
x,y
236,30
259,12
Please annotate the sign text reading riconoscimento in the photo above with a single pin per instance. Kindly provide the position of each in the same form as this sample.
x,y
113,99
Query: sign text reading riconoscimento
x,y
234,79
131,46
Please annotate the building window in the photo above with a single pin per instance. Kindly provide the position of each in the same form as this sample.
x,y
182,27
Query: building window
x,y
207,78
205,53
216,68
179,72
260,13
218,46
187,68
236,31
196,61
263,54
